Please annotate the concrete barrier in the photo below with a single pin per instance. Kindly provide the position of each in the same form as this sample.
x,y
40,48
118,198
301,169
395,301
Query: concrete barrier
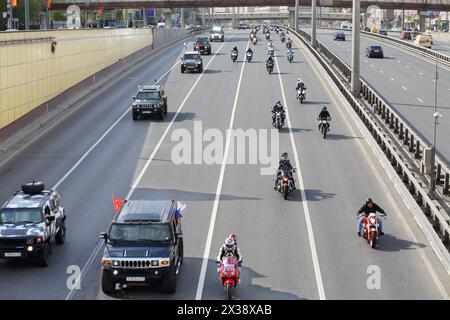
x,y
38,66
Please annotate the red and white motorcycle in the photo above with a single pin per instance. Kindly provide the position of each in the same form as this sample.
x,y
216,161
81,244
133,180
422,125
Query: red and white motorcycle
x,y
229,274
370,228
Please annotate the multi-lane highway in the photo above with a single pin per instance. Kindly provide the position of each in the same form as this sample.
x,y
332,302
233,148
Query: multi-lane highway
x,y
406,82
302,248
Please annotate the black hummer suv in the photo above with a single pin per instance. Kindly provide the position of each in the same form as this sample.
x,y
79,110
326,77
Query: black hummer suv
x,y
149,101
29,222
143,243
202,45
191,61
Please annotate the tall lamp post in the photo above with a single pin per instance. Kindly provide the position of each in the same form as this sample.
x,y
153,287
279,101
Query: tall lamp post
x,y
436,116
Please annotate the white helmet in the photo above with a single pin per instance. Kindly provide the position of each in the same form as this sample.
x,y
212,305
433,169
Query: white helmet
x,y
229,242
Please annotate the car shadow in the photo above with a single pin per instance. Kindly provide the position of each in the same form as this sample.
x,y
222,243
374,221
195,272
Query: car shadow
x,y
211,71
295,130
182,116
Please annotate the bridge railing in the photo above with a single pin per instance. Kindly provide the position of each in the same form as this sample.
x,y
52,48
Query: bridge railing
x,y
439,230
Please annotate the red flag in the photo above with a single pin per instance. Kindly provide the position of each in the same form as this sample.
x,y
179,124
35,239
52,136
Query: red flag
x,y
49,4
100,11
14,3
117,203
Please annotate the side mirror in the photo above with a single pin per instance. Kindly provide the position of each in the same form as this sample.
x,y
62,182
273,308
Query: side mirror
x,y
104,236
133,98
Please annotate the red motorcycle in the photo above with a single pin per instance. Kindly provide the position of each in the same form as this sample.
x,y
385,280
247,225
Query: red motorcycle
x,y
370,229
229,274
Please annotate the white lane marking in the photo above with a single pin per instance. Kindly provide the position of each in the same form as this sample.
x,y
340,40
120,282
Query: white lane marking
x,y
392,79
420,100
99,244
372,65
381,71
408,66
301,185
404,88
422,255
77,164
366,60
201,281
398,61
421,73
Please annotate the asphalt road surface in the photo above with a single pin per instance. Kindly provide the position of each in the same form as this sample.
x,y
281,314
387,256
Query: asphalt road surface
x,y
305,247
406,81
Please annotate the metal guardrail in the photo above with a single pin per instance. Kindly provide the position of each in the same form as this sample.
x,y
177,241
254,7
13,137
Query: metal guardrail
x,y
404,134
31,40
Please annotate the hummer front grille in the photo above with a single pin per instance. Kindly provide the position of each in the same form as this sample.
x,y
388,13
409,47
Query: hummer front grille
x,y
11,242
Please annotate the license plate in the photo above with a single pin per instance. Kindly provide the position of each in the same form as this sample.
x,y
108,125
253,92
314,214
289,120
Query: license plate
x,y
146,112
12,254
136,279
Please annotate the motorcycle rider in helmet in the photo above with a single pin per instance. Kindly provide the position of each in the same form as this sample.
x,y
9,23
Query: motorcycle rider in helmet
x,y
366,209
269,62
249,50
278,107
230,245
286,165
324,115
300,84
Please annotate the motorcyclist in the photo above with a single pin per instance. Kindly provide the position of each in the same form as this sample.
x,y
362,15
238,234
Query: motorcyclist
x,y
286,165
249,50
235,49
269,62
366,209
278,107
323,115
230,245
300,84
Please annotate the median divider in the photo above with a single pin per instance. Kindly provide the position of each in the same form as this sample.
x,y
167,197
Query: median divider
x,y
427,213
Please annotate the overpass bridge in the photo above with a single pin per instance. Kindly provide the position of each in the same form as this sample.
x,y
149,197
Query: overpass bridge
x,y
280,16
438,5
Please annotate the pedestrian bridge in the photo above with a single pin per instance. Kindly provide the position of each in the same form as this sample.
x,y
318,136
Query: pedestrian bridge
x,y
436,5
281,16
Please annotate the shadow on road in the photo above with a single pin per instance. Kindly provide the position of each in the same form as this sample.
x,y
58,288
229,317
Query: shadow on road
x,y
390,243
332,136
210,71
311,195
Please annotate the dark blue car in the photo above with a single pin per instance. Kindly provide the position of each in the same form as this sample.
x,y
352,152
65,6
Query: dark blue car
x,y
338,35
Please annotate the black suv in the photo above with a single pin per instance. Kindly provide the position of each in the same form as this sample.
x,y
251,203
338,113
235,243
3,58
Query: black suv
x,y
202,45
150,101
191,61
143,243
29,222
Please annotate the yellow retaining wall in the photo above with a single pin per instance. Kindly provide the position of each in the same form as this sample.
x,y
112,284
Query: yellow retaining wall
x,y
30,74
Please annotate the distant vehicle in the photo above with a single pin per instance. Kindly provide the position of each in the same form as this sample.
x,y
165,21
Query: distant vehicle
x,y
216,34
383,32
191,61
149,101
202,45
339,35
30,221
243,26
345,25
423,41
367,29
428,33
405,35
374,51
144,243
161,25
374,30
189,26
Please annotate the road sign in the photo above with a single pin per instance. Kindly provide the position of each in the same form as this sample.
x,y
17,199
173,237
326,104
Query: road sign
x,y
150,12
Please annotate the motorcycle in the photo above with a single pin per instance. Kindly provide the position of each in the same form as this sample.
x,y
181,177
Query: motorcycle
x,y
370,229
267,36
269,68
229,274
289,45
301,95
283,39
278,124
270,52
290,57
324,127
234,56
254,41
249,56
284,185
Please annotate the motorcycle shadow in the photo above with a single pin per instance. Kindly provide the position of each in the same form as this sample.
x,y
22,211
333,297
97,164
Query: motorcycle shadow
x,y
311,195
390,243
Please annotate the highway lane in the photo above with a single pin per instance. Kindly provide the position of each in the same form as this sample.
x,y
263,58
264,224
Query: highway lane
x,y
272,232
86,194
335,174
406,82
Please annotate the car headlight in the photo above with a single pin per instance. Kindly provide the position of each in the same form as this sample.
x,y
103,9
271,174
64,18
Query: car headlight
x,y
198,62
116,263
106,262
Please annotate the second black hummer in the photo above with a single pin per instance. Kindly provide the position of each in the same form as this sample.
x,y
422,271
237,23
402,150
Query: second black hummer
x,y
150,101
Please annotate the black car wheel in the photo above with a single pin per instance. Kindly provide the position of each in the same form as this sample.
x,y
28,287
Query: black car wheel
x,y
43,256
60,237
135,116
200,69
161,114
169,282
108,285
183,69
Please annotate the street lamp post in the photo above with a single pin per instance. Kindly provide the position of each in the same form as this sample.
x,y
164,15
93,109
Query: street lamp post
x,y
436,116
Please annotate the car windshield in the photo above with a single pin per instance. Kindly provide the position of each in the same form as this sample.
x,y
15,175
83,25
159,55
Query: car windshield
x,y
20,216
203,42
148,95
190,56
140,232
375,48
